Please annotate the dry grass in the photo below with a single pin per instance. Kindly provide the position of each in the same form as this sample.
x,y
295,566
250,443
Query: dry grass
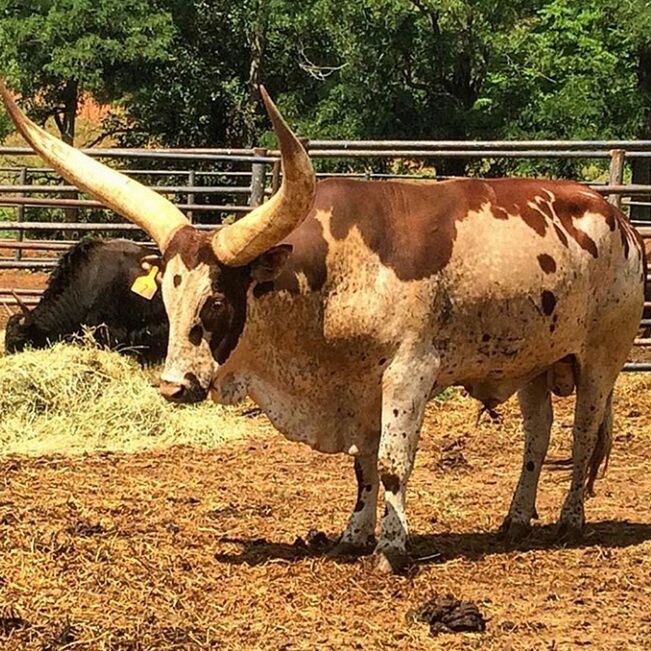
x,y
189,548
78,398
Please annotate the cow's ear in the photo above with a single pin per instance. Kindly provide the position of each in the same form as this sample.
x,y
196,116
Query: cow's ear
x,y
270,263
153,260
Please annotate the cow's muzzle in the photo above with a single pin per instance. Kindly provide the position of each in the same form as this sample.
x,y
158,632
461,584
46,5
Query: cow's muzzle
x,y
188,391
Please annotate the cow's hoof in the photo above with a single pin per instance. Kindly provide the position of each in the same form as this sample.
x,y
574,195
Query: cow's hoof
x,y
351,550
392,561
514,531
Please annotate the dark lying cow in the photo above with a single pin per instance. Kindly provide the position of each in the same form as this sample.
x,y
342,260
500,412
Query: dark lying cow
x,y
91,286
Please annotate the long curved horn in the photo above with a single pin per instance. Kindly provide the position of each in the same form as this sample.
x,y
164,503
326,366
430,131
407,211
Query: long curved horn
x,y
240,243
144,207
21,304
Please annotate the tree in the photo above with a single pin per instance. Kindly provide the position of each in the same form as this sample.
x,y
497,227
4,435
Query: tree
x,y
391,68
57,51
202,95
571,71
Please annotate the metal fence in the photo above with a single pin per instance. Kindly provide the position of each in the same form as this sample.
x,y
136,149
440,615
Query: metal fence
x,y
42,216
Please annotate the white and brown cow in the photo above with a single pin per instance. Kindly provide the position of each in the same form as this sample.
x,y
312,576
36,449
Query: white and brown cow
x,y
342,307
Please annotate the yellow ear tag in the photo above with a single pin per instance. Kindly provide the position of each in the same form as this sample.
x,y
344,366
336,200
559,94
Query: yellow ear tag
x,y
146,285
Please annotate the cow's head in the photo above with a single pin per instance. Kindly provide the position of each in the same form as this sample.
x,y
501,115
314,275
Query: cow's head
x,y
207,275
21,331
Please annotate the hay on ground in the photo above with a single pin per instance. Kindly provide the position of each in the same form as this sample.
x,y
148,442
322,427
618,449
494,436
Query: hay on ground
x,y
77,398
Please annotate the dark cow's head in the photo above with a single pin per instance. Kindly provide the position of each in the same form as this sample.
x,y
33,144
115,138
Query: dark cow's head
x,y
206,275
21,331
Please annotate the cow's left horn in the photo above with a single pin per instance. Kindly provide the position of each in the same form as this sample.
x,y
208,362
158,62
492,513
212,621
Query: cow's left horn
x,y
21,304
144,207
240,243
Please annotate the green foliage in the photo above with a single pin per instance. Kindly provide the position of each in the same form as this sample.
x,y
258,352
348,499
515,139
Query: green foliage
x,y
395,68
569,72
184,72
199,95
53,51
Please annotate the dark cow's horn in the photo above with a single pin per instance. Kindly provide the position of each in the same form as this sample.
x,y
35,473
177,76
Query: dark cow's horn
x,y
144,207
23,307
241,242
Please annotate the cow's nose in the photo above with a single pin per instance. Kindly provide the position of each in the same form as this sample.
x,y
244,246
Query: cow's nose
x,y
171,391
190,390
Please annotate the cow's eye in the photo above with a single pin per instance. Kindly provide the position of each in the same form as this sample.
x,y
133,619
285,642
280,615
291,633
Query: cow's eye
x,y
214,304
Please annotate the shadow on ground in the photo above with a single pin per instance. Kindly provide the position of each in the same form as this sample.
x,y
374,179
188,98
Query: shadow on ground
x,y
441,547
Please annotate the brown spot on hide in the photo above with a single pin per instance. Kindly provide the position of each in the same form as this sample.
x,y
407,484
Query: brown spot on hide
x,y
627,232
223,315
359,476
192,245
177,280
391,483
547,263
308,257
548,302
531,200
196,335
560,234
499,213
410,226
262,289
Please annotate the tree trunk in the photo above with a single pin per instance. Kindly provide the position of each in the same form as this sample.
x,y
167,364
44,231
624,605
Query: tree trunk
x,y
66,121
66,117
642,166
258,44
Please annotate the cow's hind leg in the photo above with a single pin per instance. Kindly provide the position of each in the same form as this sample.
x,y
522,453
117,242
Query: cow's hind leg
x,y
536,406
406,386
359,534
592,425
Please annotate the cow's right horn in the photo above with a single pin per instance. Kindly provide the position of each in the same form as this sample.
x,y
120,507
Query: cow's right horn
x,y
240,243
144,207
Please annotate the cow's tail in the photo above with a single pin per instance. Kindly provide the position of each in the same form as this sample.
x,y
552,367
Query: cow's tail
x,y
604,444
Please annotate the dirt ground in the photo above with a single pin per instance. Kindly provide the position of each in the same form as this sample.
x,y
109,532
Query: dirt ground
x,y
191,549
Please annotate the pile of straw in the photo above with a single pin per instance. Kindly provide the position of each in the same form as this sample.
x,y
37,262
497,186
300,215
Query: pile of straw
x,y
78,398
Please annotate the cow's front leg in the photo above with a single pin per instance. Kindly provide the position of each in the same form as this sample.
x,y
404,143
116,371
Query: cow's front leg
x,y
359,534
406,386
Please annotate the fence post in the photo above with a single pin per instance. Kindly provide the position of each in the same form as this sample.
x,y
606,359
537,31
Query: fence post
x,y
275,177
641,174
616,174
20,213
192,177
258,179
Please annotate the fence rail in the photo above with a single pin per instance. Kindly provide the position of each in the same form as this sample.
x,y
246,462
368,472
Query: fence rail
x,y
219,181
